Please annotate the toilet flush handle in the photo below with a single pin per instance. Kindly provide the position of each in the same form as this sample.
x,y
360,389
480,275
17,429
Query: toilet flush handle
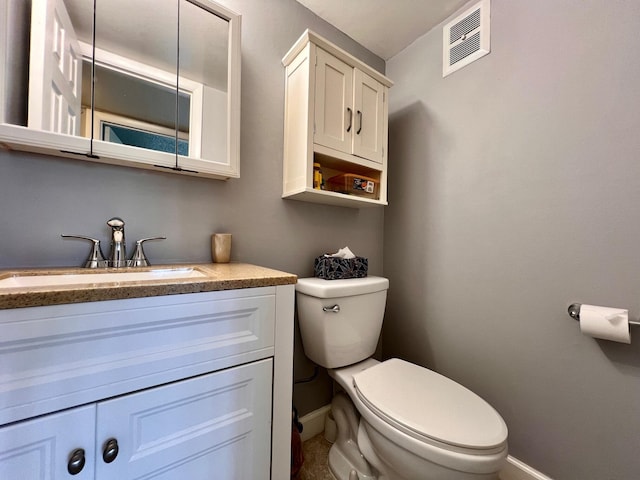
x,y
333,309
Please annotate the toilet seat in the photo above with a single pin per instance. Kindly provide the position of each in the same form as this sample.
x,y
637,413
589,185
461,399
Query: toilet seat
x,y
437,410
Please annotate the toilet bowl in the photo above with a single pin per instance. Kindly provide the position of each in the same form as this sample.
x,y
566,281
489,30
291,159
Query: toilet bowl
x,y
395,420
416,424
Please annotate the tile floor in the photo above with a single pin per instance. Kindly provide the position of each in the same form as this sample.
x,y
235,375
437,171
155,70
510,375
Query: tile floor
x,y
315,466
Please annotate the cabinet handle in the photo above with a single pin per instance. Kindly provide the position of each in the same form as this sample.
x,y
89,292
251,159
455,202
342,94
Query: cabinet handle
x,y
76,461
350,118
110,450
360,122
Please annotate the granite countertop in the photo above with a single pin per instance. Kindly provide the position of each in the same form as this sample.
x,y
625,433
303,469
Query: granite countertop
x,y
215,276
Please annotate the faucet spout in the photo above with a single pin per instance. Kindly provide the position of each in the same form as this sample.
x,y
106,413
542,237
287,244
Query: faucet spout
x,y
118,255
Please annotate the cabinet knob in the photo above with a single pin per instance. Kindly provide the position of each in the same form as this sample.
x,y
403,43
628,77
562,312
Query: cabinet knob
x,y
110,450
76,461
350,112
360,120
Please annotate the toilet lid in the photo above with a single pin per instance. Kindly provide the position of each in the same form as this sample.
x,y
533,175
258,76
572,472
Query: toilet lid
x,y
423,403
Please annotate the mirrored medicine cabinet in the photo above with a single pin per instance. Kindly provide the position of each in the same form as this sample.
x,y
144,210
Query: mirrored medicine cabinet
x,y
144,83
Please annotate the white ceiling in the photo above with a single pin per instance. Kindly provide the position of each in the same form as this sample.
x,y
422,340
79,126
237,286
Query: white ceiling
x,y
385,27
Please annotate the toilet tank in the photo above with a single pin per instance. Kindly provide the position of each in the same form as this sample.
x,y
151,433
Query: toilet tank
x,y
340,320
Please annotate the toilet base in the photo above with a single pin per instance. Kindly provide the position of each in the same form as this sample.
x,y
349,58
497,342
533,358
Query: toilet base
x,y
342,468
345,456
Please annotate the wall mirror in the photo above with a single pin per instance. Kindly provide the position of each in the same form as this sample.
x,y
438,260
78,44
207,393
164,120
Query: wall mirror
x,y
147,83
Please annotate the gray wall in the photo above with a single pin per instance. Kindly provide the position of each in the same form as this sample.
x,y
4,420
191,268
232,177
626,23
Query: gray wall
x,y
42,197
514,191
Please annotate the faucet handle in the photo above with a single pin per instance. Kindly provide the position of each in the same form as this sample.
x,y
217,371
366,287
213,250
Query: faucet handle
x,y
139,259
96,258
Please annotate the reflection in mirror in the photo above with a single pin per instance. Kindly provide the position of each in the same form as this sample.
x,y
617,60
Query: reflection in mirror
x,y
43,81
163,77
147,122
135,76
55,70
144,115
203,60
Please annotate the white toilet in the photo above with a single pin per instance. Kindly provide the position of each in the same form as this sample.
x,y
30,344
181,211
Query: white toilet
x,y
397,421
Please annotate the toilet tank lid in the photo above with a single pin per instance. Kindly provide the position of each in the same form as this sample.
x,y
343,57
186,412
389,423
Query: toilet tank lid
x,y
321,288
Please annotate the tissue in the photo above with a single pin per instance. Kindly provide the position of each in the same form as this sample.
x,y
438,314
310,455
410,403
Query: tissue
x,y
605,322
342,253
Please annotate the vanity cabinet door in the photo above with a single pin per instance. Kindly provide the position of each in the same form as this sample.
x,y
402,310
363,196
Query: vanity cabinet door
x,y
212,426
42,448
216,425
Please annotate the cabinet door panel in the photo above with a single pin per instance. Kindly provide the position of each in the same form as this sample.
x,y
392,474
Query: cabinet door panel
x,y
81,353
369,117
334,102
40,449
214,426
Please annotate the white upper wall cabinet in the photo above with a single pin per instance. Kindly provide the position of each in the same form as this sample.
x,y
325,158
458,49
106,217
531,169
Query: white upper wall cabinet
x,y
102,86
336,115
349,108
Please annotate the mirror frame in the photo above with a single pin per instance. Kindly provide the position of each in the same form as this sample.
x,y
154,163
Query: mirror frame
x,y
16,137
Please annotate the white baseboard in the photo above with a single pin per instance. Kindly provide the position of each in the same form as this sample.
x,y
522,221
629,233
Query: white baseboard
x,y
517,470
314,422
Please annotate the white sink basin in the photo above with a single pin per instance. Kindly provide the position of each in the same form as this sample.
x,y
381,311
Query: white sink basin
x,y
98,278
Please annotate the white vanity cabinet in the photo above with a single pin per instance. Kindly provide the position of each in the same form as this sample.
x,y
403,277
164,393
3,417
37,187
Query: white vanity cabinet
x,y
193,386
336,114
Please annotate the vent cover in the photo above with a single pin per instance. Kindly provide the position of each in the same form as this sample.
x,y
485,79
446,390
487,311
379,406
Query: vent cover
x,y
466,38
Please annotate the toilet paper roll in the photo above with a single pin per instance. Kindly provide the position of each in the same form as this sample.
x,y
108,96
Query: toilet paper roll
x,y
605,322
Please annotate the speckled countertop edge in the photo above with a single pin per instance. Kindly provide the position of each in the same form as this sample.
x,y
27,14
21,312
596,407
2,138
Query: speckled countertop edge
x,y
218,276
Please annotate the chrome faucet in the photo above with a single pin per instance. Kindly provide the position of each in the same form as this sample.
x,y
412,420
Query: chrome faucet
x,y
118,255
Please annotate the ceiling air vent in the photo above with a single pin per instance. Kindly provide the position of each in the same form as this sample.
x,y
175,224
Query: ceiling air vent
x,y
466,38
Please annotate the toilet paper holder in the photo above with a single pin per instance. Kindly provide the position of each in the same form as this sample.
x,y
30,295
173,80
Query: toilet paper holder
x,y
574,312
